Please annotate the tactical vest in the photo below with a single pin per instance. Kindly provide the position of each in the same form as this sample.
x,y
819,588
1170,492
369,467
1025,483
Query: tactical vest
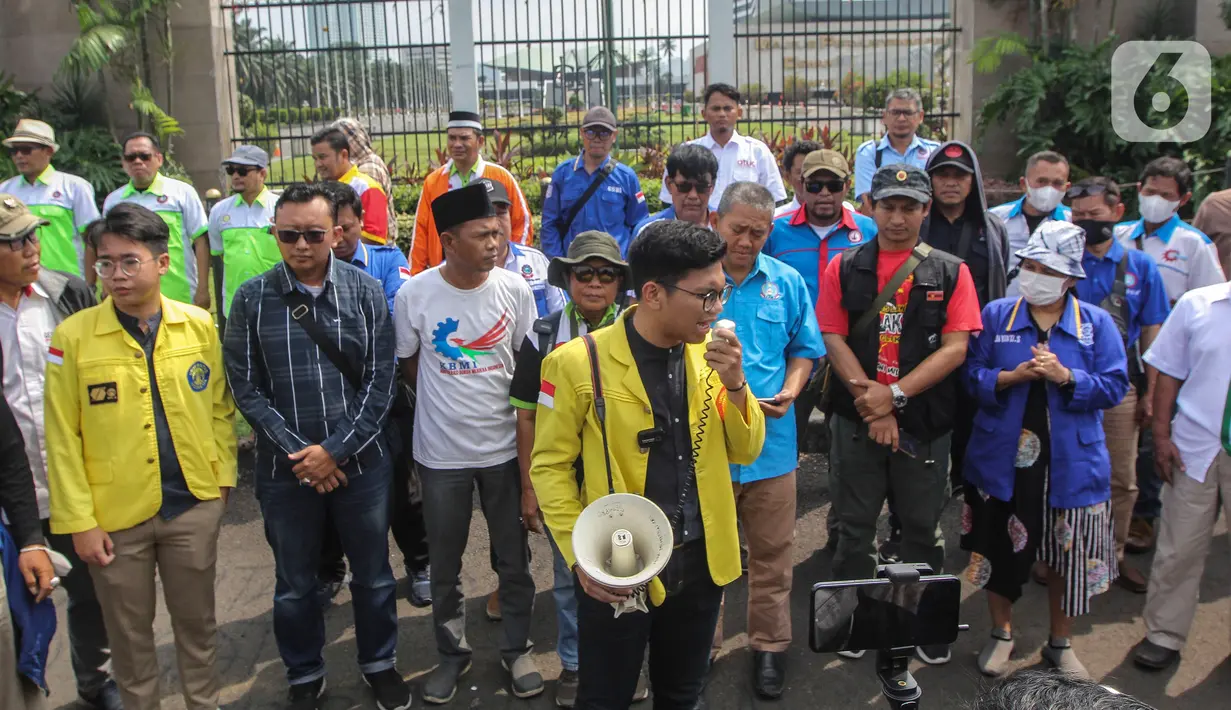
x,y
930,414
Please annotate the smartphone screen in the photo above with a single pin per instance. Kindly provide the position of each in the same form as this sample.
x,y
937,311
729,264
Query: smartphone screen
x,y
871,614
908,445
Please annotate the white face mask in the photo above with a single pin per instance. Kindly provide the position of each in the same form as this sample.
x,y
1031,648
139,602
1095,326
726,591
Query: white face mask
x,y
1157,209
1040,289
1044,199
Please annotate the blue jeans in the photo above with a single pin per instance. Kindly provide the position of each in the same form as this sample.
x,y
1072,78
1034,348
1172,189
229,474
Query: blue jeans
x,y
294,520
566,608
1149,486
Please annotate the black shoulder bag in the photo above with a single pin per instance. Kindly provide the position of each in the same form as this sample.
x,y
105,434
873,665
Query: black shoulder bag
x,y
599,178
300,305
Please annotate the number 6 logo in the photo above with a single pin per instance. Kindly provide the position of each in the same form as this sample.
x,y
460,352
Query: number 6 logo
x,y
1131,65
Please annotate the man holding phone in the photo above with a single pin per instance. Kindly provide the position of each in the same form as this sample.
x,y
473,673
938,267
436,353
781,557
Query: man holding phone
x,y
896,316
774,319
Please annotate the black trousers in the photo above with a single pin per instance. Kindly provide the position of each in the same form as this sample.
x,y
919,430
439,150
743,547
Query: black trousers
x,y
679,635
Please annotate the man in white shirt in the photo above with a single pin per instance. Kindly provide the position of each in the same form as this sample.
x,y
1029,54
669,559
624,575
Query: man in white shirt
x,y
458,327
1193,456
740,158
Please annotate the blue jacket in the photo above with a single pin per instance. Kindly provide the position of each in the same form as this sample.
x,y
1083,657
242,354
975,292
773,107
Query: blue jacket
x,y
385,264
615,207
1087,342
35,624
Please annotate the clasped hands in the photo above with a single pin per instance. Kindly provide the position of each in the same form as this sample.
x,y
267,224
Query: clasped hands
x,y
315,467
874,402
1042,365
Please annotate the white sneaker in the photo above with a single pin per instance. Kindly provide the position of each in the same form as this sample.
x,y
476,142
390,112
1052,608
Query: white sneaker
x,y
853,655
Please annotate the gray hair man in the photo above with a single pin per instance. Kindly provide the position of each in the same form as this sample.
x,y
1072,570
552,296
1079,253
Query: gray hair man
x,y
775,321
901,143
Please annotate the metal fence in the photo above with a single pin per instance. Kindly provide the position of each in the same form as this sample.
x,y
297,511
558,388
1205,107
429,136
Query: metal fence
x,y
802,65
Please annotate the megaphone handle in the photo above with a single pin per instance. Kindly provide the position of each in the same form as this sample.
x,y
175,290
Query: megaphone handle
x,y
600,405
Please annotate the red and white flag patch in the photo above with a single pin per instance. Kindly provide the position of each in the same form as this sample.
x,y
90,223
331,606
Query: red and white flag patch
x,y
547,395
404,273
936,295
55,356
641,197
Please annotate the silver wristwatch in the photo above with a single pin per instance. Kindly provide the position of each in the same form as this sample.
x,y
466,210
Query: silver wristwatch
x,y
899,397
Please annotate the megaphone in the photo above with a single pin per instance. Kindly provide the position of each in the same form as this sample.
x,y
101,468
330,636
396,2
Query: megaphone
x,y
623,540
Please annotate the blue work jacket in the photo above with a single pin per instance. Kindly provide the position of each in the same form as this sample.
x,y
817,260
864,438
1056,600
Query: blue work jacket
x,y
616,206
1086,341
35,624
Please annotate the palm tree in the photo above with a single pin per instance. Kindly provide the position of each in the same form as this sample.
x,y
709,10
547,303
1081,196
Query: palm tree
x,y
667,47
645,56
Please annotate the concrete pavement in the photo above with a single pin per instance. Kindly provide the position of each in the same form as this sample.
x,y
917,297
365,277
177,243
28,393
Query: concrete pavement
x,y
253,675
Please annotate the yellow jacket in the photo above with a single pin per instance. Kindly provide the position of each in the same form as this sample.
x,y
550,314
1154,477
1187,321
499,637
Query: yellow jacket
x,y
566,425
102,448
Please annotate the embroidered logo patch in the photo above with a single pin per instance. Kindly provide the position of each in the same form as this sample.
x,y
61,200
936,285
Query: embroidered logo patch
x,y
1086,335
770,291
527,270
226,218
936,295
1130,279
57,194
162,199
103,393
198,376
854,237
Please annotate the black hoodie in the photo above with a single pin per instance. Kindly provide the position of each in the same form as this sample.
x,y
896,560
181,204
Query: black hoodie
x,y
991,230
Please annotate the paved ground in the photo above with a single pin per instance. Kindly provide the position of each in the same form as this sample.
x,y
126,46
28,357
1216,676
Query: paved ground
x,y
253,675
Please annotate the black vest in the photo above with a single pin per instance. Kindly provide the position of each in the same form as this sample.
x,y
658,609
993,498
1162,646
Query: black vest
x,y
930,414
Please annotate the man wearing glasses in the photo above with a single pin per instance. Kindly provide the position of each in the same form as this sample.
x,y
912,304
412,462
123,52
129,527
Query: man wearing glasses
x,y
140,486
177,203
33,301
65,202
679,411
692,171
901,144
740,158
239,225
574,203
309,353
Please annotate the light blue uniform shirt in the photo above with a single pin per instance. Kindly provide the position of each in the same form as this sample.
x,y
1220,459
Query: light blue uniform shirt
x,y
917,154
774,321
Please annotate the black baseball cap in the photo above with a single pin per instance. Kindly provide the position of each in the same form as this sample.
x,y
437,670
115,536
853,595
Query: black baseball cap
x,y
955,155
901,180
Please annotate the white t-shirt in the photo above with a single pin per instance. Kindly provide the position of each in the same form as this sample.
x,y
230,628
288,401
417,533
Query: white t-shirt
x,y
466,340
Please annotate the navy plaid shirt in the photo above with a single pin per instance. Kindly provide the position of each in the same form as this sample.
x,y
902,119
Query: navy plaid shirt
x,y
289,390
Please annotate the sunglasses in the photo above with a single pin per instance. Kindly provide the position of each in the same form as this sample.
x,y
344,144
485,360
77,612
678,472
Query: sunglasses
x,y
22,149
240,170
687,186
1085,190
585,273
19,244
837,187
134,157
601,134
292,236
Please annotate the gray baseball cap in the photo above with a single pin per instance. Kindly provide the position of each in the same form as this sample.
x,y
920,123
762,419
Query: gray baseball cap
x,y
901,180
599,116
1057,245
248,155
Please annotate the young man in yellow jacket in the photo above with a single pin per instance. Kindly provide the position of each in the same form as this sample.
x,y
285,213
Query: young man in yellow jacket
x,y
142,486
678,413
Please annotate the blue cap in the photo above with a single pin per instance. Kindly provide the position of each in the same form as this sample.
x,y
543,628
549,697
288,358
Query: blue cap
x,y
248,155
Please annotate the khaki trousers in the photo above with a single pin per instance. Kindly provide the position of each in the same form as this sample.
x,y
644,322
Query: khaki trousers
x,y
16,693
766,511
183,551
1189,512
1120,428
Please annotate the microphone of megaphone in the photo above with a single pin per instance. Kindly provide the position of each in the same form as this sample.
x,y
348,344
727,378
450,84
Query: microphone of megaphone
x,y
622,540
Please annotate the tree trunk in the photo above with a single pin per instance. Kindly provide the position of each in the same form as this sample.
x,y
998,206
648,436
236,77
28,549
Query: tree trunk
x,y
102,82
169,49
144,70
1044,28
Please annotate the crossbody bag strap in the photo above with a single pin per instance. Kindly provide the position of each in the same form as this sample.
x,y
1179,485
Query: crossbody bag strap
x,y
600,405
300,306
599,179
917,255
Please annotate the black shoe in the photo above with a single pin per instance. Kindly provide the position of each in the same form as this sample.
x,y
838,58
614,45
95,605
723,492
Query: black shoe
x,y
306,696
889,552
391,691
327,590
768,674
105,698
743,559
421,588
1152,657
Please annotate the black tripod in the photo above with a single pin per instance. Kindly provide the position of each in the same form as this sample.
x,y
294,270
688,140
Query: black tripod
x,y
897,684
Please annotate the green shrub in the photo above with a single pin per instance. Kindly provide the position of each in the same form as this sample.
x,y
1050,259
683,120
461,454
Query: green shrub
x,y
295,114
406,197
247,110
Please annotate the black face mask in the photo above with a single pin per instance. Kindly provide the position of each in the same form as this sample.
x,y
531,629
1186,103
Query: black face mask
x,y
1097,231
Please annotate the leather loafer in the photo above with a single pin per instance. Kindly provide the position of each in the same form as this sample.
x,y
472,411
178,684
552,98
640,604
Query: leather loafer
x,y
769,674
1132,579
1152,657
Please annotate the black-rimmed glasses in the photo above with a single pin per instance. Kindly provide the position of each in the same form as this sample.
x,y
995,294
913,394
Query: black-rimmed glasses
x,y
710,299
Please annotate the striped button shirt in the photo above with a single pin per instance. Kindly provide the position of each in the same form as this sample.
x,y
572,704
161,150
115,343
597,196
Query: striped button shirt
x,y
289,390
